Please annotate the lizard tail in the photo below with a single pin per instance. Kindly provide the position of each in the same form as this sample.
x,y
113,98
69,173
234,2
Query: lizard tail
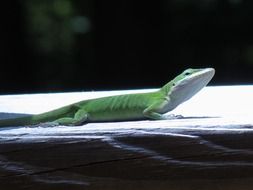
x,y
21,121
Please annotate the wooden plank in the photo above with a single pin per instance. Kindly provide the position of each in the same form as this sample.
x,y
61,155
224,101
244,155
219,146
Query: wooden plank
x,y
211,148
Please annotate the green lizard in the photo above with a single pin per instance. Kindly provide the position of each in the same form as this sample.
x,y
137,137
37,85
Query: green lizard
x,y
151,105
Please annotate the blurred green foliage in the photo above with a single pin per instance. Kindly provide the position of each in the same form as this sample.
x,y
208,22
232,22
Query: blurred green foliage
x,y
48,24
53,28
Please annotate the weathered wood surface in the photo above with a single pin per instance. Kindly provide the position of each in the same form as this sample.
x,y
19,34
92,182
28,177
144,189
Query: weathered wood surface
x,y
211,148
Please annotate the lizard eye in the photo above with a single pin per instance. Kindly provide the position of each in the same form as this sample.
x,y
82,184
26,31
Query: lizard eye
x,y
187,73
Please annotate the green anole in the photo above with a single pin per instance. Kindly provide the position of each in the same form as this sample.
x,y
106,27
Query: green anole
x,y
151,105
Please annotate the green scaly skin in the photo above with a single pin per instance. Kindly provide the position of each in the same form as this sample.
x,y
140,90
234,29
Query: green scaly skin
x,y
125,107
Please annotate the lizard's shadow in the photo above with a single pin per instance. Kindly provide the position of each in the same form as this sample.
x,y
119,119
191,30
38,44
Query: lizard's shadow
x,y
6,115
199,117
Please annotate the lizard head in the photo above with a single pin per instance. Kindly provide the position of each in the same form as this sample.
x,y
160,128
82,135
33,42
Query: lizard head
x,y
187,84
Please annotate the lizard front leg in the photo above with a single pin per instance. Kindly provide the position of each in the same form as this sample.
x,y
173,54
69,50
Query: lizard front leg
x,y
154,111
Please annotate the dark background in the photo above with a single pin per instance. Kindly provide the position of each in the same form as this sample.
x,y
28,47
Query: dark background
x,y
74,45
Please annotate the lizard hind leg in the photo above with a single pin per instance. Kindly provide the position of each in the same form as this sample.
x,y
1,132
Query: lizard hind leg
x,y
79,118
